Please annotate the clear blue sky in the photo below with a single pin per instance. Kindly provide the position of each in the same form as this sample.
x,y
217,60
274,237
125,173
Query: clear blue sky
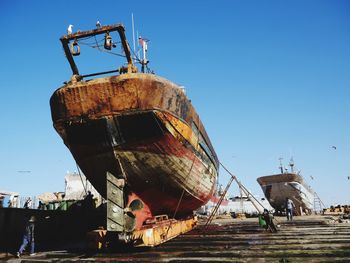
x,y
269,79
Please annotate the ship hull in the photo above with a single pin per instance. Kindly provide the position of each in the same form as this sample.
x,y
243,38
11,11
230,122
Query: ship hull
x,y
288,185
141,128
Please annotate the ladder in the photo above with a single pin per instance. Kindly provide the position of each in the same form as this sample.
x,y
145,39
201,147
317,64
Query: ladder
x,y
318,204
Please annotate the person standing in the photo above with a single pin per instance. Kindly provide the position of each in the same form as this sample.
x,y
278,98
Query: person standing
x,y
41,205
89,201
28,203
289,209
1,201
10,201
13,201
28,237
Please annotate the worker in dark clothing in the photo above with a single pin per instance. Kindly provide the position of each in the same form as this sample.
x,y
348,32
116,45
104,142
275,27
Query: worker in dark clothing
x,y
28,203
89,201
1,201
28,237
269,221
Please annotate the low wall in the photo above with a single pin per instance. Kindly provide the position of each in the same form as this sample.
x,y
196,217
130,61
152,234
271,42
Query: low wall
x,y
53,227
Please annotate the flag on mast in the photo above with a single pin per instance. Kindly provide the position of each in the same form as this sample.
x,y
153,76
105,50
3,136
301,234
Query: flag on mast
x,y
143,43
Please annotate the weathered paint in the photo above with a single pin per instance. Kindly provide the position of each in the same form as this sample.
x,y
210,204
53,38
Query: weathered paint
x,y
165,161
159,230
278,187
104,97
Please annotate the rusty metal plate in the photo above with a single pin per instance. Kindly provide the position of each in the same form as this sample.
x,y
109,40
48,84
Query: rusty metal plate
x,y
115,203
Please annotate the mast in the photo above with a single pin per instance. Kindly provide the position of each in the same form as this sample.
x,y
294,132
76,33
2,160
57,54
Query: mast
x,y
291,164
133,32
281,166
144,61
65,40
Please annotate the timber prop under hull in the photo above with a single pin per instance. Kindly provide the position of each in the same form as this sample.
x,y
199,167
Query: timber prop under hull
x,y
141,128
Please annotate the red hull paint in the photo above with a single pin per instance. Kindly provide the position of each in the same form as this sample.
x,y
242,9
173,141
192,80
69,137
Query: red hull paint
x,y
158,186
141,128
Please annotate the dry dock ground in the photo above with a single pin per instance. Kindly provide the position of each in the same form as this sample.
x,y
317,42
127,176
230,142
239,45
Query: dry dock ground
x,y
306,239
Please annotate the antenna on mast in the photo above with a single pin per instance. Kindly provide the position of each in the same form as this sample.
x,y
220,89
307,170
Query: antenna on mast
x,y
138,45
291,164
281,166
140,42
133,33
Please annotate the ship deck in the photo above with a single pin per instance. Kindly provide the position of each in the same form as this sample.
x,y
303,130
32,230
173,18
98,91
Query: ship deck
x,y
306,239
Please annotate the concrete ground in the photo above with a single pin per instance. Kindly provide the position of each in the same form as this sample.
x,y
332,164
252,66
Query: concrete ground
x,y
305,239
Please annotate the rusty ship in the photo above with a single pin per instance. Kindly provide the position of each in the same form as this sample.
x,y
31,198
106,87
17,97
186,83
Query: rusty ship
x,y
136,137
288,184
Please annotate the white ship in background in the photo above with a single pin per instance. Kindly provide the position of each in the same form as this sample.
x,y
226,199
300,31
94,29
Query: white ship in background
x,y
241,204
237,205
288,184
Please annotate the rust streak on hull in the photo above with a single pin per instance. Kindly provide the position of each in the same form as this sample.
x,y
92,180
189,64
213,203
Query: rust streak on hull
x,y
142,128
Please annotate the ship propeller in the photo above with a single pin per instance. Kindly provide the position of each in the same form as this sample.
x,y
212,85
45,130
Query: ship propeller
x,y
130,217
129,222
136,205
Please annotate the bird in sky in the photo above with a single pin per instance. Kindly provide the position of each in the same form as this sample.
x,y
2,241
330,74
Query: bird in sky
x,y
98,24
348,177
70,29
312,178
333,147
